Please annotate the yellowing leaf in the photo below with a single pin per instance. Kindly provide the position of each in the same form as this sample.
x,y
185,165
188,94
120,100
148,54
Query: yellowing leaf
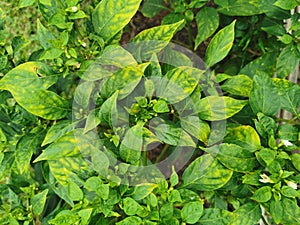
x,y
152,40
29,90
206,173
215,108
111,16
220,45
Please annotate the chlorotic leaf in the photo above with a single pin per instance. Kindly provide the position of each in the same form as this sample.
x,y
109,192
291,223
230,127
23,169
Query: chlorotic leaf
x,y
215,108
28,89
131,146
207,20
220,45
110,16
206,173
233,157
247,214
215,216
152,40
38,202
244,136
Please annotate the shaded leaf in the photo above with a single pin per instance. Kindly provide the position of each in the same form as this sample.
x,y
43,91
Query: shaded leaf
x,y
152,7
207,20
132,144
38,202
287,61
233,157
247,214
215,216
264,96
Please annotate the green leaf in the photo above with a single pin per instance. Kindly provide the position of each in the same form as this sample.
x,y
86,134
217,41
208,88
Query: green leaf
x,y
174,179
240,7
291,212
130,206
100,161
244,136
287,61
171,134
153,40
57,130
65,217
38,202
287,4
132,144
152,7
289,99
28,89
174,196
289,192
196,127
264,96
141,191
51,53
45,37
233,157
247,214
287,132
240,85
266,155
167,211
24,151
262,194
85,215
254,67
206,173
65,146
113,59
296,161
108,112
25,3
74,192
277,211
215,216
220,45
191,212
132,220
213,108
207,20
161,106
111,16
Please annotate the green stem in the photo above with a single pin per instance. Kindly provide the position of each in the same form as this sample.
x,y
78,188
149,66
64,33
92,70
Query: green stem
x,y
145,157
189,29
162,154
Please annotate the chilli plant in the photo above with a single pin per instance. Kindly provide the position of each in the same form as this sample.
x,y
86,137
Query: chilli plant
x,y
95,132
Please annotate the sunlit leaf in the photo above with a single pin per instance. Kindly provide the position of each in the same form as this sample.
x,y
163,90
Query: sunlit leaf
x,y
109,17
220,45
